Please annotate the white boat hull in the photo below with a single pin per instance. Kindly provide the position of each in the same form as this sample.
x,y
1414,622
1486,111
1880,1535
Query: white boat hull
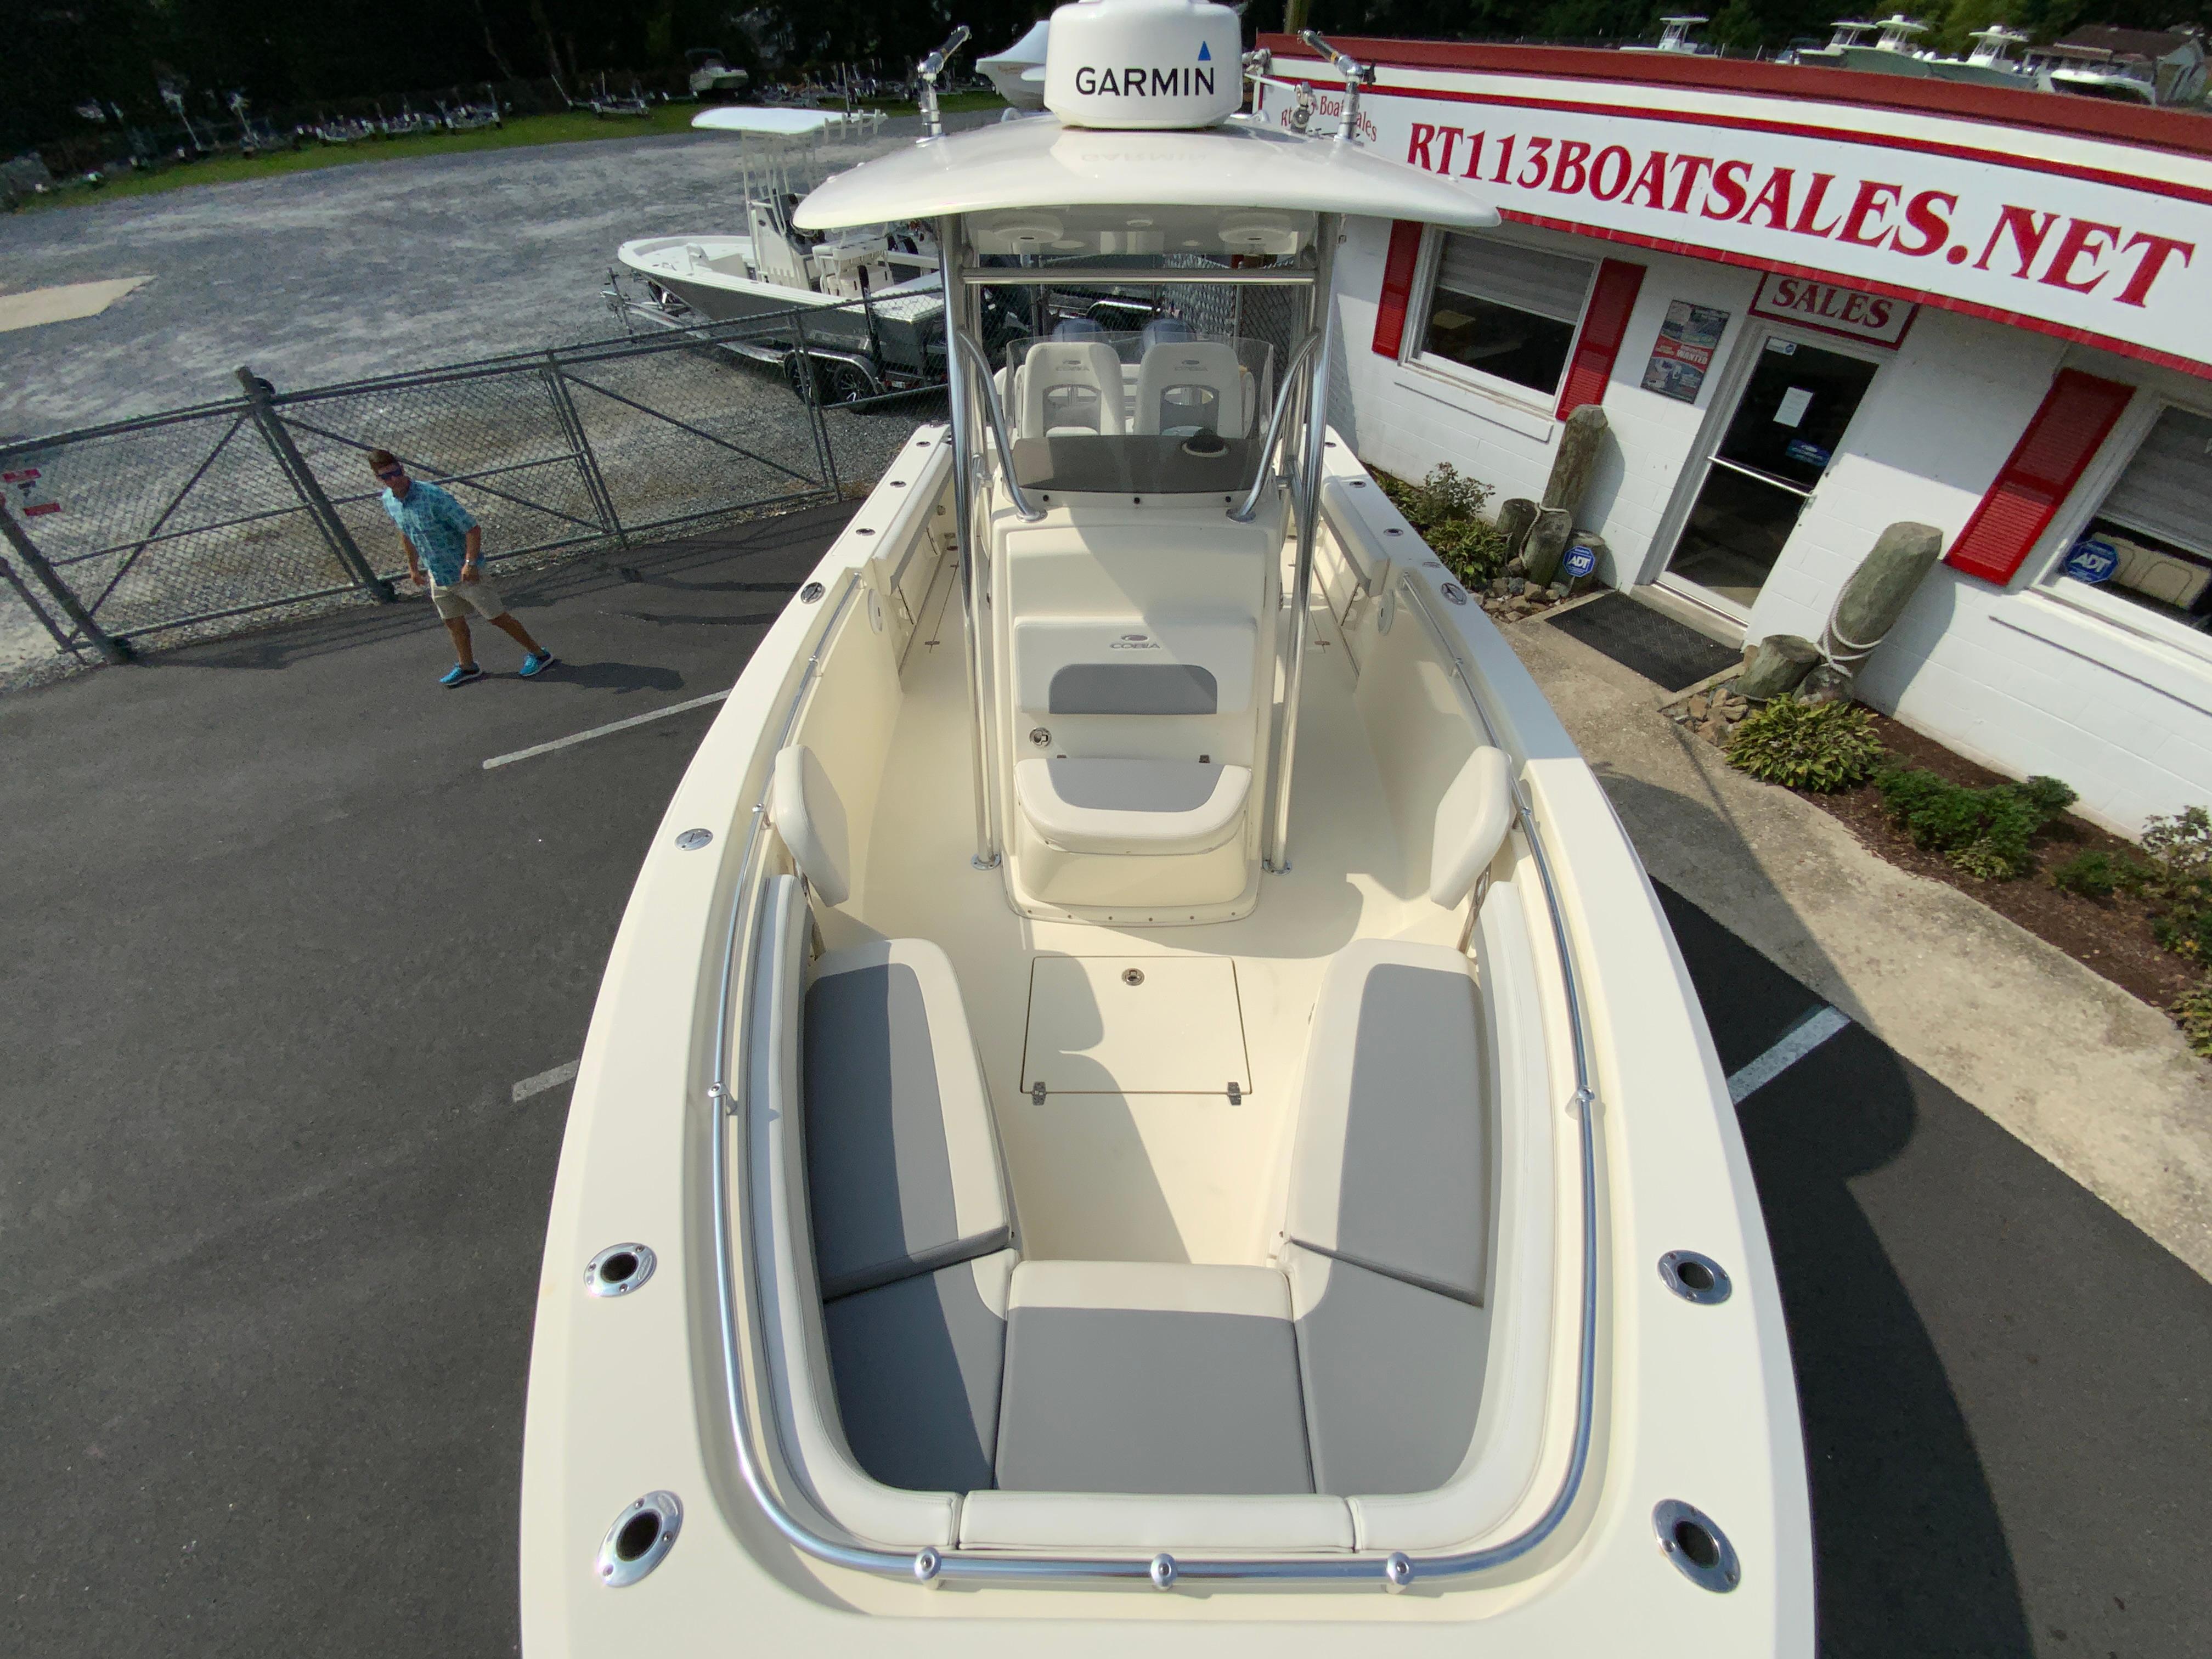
x,y
1690,1403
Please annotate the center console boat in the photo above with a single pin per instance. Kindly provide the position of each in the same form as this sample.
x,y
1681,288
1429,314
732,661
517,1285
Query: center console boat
x,y
1143,1096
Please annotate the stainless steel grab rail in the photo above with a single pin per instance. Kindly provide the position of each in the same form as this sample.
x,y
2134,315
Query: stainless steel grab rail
x,y
1243,510
736,1271
973,354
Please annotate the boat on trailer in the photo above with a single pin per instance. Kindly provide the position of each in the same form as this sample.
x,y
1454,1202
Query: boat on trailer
x,y
1142,1093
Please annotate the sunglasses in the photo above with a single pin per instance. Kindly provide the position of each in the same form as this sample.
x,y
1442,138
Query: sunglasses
x,y
391,473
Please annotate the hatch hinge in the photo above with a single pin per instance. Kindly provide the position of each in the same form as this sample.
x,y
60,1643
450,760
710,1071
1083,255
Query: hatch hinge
x,y
1036,1094
1235,1095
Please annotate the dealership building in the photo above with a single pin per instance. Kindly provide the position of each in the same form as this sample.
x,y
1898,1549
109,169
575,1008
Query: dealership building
x,y
1812,303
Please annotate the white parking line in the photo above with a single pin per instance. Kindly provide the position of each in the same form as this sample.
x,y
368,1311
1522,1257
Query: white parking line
x,y
544,1080
602,730
1799,1041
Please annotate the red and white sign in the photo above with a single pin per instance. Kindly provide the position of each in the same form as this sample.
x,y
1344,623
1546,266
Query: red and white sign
x,y
2091,246
1874,318
24,493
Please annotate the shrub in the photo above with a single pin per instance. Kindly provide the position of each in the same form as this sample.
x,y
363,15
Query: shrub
x,y
1984,832
1817,746
2092,875
2175,877
1446,509
2193,1013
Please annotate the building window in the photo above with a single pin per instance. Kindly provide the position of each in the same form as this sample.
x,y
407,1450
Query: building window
x,y
2150,540
1505,311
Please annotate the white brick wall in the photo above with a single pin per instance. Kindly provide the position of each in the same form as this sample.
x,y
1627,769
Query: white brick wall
x,y
2022,680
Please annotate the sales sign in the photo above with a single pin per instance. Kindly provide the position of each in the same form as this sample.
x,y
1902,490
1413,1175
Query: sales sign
x,y
1832,309
2074,235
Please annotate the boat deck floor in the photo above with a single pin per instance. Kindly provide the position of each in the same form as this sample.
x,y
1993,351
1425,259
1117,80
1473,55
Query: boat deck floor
x,y
1139,1175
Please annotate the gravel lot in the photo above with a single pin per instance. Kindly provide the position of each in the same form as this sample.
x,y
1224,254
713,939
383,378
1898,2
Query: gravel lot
x,y
325,276
316,277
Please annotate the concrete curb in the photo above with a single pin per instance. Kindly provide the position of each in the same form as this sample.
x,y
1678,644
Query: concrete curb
x,y
2097,1082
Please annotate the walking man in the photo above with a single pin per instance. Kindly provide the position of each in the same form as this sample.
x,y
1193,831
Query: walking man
x,y
437,530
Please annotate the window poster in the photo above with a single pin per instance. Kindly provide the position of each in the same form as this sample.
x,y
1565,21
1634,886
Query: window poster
x,y
1684,350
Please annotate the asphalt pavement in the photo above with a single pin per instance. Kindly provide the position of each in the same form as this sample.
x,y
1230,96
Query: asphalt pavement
x,y
279,949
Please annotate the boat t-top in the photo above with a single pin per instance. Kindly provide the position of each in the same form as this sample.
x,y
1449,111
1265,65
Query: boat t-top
x,y
1143,1096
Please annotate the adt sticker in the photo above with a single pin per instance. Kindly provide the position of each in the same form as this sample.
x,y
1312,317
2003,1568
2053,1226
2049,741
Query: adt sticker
x,y
1582,559
2092,560
1802,449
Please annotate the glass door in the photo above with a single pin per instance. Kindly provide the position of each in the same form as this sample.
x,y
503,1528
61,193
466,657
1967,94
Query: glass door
x,y
1789,418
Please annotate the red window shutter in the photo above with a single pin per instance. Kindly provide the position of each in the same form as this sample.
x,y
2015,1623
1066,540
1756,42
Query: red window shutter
x,y
2076,417
1397,288
1605,324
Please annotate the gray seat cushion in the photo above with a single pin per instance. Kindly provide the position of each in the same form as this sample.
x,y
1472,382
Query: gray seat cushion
x,y
916,1365
1392,1376
1391,1169
902,1168
1149,1377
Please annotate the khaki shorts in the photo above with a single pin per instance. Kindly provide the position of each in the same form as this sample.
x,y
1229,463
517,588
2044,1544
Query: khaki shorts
x,y
462,597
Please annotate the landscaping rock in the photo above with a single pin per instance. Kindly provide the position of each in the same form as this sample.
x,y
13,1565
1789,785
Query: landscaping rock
x,y
1515,584
1776,664
1699,707
1879,589
1546,544
1517,566
1514,517
1826,683
1580,440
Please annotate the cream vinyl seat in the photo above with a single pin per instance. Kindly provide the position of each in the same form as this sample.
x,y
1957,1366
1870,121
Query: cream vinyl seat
x,y
1120,691
1185,386
1072,388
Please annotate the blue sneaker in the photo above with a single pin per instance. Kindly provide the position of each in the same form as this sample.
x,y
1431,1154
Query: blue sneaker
x,y
459,674
536,663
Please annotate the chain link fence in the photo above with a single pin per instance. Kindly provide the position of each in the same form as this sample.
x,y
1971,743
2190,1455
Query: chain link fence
x,y
119,533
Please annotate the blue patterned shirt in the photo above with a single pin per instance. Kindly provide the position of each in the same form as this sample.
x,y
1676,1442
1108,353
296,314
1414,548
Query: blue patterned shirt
x,y
437,524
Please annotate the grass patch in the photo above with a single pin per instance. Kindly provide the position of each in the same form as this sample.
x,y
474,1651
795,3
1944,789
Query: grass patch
x,y
571,126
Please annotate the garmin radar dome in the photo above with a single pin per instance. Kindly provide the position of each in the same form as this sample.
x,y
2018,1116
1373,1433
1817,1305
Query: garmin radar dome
x,y
1143,63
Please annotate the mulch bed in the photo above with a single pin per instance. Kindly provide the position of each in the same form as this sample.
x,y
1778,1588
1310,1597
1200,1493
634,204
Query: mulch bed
x,y
2111,936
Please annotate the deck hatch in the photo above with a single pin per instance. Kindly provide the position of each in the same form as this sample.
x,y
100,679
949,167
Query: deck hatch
x,y
1135,1025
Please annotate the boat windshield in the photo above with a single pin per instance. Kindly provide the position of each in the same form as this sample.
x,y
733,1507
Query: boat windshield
x,y
1165,410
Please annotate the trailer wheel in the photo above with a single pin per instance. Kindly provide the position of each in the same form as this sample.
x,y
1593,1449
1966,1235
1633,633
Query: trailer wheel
x,y
848,383
795,372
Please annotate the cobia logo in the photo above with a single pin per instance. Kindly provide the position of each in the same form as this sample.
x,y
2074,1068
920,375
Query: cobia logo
x,y
1137,81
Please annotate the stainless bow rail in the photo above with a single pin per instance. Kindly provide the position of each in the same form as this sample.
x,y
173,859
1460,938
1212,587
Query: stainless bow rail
x,y
736,1274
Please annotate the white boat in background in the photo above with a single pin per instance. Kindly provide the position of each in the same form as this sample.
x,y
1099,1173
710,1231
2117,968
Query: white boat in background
x,y
877,308
709,74
2164,67
1143,1096
787,127
1675,35
1018,73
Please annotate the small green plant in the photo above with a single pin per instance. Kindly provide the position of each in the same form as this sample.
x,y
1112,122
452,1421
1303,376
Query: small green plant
x,y
2193,1013
1446,509
2090,874
1816,746
1984,832
2176,877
